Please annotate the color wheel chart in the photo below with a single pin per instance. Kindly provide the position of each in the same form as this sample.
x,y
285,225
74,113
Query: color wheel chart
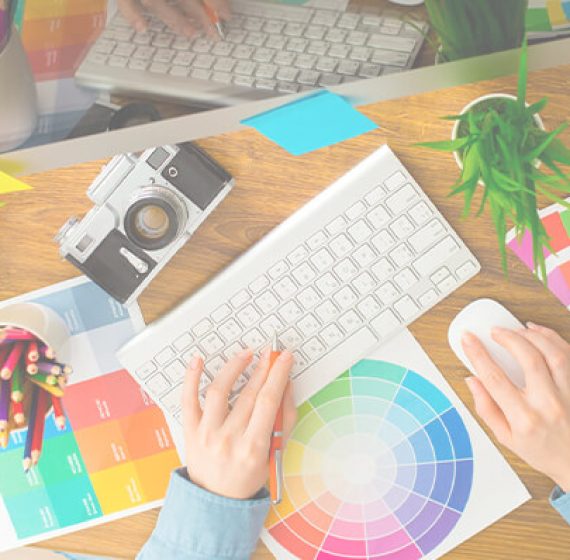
x,y
556,221
379,466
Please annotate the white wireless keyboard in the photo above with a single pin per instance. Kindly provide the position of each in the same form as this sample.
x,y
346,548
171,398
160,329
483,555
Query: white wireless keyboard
x,y
347,271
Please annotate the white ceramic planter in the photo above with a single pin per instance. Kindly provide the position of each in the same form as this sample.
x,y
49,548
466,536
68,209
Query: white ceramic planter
x,y
469,106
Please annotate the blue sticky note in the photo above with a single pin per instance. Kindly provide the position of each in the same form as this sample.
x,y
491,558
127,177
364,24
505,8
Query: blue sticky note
x,y
311,123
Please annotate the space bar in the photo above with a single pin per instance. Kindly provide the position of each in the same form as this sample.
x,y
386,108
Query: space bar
x,y
331,365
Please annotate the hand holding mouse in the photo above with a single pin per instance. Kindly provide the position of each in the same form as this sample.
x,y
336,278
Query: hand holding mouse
x,y
185,17
228,451
533,422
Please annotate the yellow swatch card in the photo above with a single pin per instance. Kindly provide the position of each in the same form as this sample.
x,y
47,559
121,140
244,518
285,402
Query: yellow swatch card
x,y
9,184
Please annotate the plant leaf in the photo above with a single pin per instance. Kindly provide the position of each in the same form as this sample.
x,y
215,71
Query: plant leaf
x,y
446,145
535,154
523,76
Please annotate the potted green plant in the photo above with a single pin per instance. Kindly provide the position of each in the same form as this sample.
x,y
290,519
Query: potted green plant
x,y
475,27
501,147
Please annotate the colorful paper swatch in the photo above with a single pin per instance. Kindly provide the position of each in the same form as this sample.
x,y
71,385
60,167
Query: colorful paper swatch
x,y
313,122
556,221
10,184
116,453
379,466
545,16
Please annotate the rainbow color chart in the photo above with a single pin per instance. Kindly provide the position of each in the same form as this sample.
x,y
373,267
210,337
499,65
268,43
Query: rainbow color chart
x,y
556,221
386,463
116,454
379,466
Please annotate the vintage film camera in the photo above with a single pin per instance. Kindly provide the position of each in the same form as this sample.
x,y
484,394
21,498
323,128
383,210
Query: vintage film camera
x,y
146,207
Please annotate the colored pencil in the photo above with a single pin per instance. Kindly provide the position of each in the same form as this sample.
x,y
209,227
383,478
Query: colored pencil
x,y
48,368
59,414
276,446
15,335
11,360
5,390
32,353
47,378
65,368
27,463
52,389
32,368
18,413
46,352
18,384
38,437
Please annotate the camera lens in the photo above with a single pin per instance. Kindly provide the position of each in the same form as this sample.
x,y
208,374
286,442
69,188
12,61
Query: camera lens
x,y
155,218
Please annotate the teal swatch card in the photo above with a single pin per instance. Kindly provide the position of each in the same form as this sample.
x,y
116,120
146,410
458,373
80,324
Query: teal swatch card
x,y
316,121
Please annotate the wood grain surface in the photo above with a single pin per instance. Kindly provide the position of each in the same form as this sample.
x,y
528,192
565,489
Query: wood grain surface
x,y
270,186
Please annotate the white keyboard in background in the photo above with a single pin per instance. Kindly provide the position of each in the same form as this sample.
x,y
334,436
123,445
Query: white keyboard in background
x,y
347,271
268,50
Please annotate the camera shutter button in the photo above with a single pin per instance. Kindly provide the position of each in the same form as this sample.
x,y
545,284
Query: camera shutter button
x,y
172,172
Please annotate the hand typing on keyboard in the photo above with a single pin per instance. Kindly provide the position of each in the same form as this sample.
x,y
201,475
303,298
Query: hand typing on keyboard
x,y
228,450
185,17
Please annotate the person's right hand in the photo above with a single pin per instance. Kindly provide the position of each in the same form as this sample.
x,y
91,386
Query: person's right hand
x,y
228,451
185,17
534,422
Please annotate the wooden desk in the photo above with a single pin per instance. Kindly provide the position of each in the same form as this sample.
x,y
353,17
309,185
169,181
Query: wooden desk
x,y
270,186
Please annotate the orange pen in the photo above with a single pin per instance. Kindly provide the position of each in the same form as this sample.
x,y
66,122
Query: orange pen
x,y
215,19
276,448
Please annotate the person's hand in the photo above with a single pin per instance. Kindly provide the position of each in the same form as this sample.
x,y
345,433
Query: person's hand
x,y
534,422
228,451
185,17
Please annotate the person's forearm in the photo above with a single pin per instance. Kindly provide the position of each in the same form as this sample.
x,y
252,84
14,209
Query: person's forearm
x,y
195,524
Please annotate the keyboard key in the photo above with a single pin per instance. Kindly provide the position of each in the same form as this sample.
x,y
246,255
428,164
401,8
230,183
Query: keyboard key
x,y
374,196
271,325
401,44
303,274
345,298
164,55
164,356
466,270
368,70
202,46
403,198
440,274
420,213
232,350
316,240
386,323
401,255
158,384
427,299
313,348
179,71
402,227
383,241
266,302
371,20
308,325
364,283
378,217
266,71
308,77
248,316
427,236
405,279
406,308
382,269
287,74
339,51
202,327
327,311
348,68
204,61
390,58
300,363
145,370
394,181
306,61
222,48
369,307
331,335
364,255
290,312
254,339
348,21
211,344
359,231
240,383
285,288
298,255
244,81
387,293
290,338
183,342
287,88
350,321
447,285
326,64
360,54
214,366
357,38
172,401
308,298
191,353
259,284
297,45
345,270
324,17
278,269
341,245
337,225
118,61
319,48
284,58
224,64
327,284
329,80
240,299
230,330
315,32
221,313
175,371
201,74
435,256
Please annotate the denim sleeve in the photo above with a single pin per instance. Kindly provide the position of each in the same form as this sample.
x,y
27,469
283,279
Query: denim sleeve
x,y
195,524
561,503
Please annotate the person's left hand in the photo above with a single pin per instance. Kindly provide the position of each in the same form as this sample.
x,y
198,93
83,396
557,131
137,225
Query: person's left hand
x,y
185,17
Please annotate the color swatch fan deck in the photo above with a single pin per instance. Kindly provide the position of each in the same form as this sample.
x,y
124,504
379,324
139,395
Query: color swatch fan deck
x,y
381,465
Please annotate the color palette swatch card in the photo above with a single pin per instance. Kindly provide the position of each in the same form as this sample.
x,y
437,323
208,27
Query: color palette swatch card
x,y
546,18
115,455
556,221
387,463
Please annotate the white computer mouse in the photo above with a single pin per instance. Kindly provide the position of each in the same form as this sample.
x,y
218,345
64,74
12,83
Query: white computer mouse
x,y
407,2
479,317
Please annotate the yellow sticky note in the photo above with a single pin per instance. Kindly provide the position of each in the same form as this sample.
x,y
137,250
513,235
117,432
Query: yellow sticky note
x,y
556,13
9,184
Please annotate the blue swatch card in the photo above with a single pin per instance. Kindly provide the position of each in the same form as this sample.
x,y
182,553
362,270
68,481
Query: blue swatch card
x,y
311,123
